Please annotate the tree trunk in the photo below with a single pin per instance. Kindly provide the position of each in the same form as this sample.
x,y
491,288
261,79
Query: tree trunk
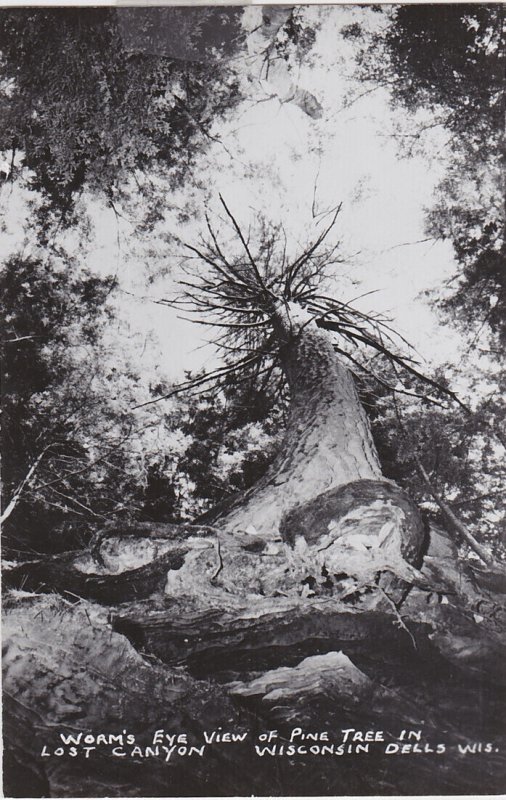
x,y
328,441
325,489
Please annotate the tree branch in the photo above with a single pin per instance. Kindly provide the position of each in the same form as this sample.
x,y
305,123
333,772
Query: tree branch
x,y
24,484
245,245
454,521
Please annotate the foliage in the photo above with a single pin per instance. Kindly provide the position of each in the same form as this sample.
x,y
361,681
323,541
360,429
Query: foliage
x,y
96,98
449,60
469,212
233,436
75,452
462,451
294,39
221,443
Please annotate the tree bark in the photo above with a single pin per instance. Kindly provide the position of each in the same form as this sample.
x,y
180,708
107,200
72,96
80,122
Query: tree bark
x,y
365,529
60,574
328,441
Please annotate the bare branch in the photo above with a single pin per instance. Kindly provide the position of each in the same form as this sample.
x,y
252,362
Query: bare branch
x,y
215,375
294,268
370,341
394,389
454,521
22,338
246,247
25,483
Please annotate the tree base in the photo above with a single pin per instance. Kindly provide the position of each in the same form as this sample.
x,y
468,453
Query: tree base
x,y
236,633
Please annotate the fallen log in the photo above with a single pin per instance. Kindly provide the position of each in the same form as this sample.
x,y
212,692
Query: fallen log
x,y
225,644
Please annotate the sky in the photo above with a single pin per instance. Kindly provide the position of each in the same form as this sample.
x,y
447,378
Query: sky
x,y
274,158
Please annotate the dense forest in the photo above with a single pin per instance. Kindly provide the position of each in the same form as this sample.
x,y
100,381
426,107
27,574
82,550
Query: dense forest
x,y
253,447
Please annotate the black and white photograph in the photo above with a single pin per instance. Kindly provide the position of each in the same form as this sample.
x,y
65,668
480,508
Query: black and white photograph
x,y
253,400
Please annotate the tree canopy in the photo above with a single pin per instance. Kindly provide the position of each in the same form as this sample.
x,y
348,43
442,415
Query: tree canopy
x,y
96,98
75,453
449,60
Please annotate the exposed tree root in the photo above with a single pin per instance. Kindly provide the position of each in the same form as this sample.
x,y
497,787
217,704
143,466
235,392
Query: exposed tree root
x,y
58,574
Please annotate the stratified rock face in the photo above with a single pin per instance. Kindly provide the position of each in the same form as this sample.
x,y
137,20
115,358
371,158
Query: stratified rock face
x,y
361,513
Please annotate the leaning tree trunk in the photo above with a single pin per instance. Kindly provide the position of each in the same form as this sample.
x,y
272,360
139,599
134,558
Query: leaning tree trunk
x,y
323,509
328,441
324,494
307,626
